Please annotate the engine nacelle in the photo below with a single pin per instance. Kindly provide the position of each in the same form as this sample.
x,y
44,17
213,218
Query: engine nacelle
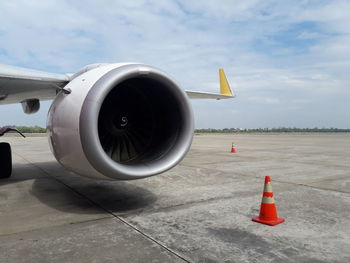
x,y
120,121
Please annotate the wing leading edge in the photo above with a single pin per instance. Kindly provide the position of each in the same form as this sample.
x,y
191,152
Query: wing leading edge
x,y
225,90
21,84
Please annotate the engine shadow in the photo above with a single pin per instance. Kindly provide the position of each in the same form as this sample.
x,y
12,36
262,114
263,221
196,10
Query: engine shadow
x,y
65,191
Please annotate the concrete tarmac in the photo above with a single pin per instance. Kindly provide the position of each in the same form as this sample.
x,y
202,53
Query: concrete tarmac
x,y
199,211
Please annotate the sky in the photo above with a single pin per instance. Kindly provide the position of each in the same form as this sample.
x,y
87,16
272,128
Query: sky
x,y
287,61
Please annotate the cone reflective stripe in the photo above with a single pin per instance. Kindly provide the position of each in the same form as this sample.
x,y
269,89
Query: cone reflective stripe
x,y
268,211
268,194
233,149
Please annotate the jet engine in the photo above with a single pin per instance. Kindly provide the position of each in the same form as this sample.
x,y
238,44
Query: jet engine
x,y
120,121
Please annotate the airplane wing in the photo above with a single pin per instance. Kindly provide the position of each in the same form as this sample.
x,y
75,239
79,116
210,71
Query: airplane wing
x,y
225,90
20,84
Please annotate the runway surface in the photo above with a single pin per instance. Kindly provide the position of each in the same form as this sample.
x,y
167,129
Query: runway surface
x,y
199,211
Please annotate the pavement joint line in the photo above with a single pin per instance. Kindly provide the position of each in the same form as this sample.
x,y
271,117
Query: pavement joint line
x,y
311,186
305,185
323,164
217,170
55,226
325,189
171,251
223,162
338,177
281,181
152,239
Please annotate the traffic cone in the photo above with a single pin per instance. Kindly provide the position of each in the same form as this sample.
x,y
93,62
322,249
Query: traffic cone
x,y
268,211
233,149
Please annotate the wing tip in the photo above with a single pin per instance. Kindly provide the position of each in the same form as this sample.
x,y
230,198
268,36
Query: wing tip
x,y
224,85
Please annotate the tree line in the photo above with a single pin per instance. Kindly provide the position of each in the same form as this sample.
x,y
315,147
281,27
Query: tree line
x,y
31,129
268,130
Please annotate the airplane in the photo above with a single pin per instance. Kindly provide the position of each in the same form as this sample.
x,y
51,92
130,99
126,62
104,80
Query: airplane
x,y
120,121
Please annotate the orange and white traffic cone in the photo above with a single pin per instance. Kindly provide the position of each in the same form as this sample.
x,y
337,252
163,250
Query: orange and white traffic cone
x,y
268,211
233,149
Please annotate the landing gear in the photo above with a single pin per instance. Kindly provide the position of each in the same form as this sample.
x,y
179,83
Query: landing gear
x,y
5,160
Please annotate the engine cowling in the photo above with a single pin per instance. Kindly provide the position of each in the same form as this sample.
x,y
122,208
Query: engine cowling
x,y
120,121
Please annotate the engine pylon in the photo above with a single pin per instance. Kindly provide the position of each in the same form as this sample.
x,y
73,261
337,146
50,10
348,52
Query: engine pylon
x,y
268,211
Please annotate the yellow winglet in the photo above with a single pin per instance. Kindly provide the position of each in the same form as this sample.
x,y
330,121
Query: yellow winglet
x,y
224,86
